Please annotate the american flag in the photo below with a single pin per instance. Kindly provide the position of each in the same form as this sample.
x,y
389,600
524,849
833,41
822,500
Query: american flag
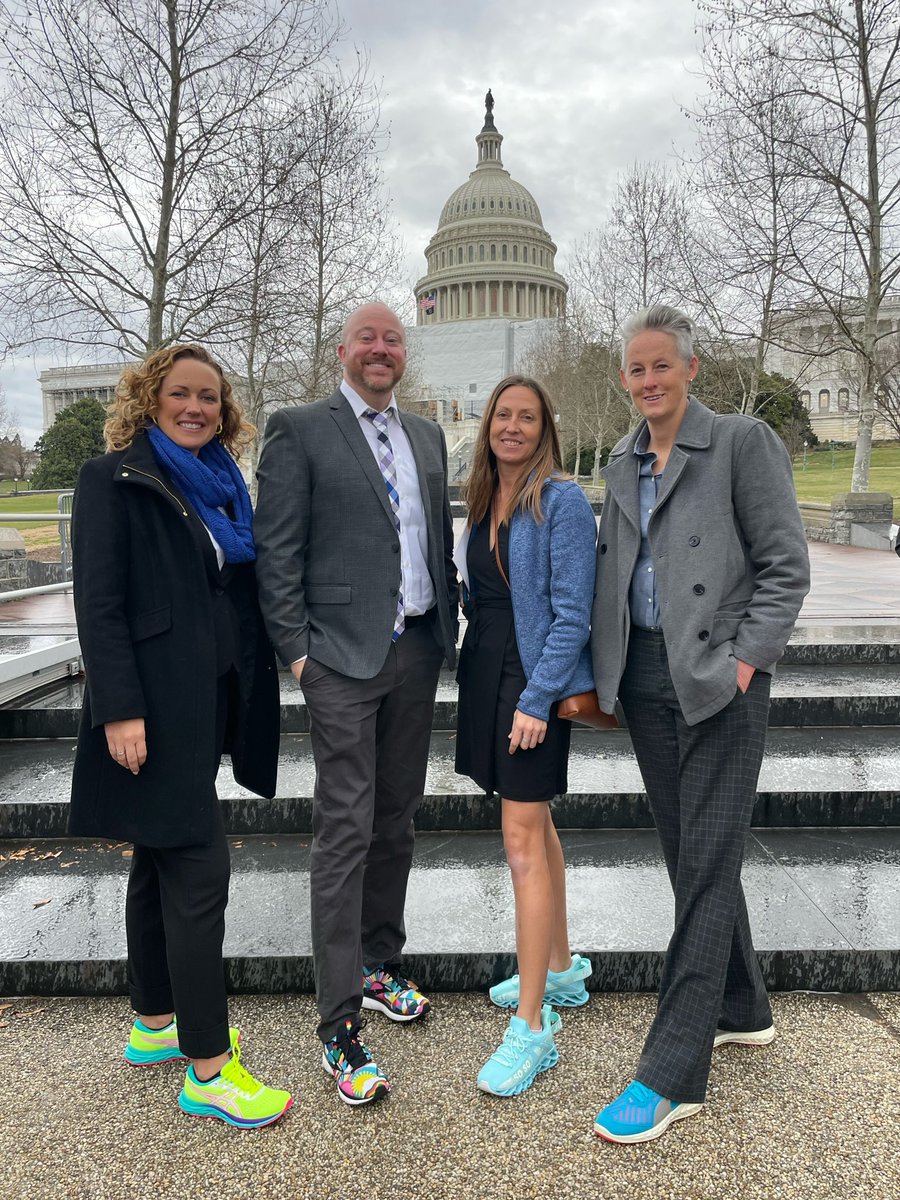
x,y
427,303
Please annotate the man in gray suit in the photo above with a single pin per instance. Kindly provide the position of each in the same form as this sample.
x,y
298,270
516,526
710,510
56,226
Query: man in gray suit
x,y
358,589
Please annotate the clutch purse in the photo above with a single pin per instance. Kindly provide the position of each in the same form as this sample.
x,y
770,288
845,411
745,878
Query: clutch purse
x,y
585,708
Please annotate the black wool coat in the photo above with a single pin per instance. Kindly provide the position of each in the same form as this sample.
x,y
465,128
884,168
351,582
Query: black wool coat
x,y
158,622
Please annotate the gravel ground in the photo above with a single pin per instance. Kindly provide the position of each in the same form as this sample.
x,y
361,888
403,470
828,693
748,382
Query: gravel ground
x,y
814,1116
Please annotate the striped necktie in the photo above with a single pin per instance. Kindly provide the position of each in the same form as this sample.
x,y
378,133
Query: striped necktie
x,y
389,473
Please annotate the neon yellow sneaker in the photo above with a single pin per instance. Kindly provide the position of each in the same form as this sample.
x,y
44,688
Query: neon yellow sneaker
x,y
233,1096
147,1047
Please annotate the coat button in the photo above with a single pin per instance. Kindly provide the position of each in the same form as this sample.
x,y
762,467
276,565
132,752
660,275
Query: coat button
x,y
220,591
699,589
394,591
396,549
603,548
694,541
703,635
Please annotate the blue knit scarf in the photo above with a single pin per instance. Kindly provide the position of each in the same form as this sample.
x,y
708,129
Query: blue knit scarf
x,y
210,481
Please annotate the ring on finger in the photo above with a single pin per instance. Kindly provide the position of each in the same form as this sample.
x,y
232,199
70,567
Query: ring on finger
x,y
120,754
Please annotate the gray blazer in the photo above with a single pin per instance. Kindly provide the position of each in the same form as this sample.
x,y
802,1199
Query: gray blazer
x,y
732,565
328,554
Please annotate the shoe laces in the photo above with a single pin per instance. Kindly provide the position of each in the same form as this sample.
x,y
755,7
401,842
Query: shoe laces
x,y
350,1048
514,1044
237,1077
394,982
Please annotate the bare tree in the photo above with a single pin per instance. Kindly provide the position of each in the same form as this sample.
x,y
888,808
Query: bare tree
x,y
317,241
636,257
751,212
837,63
118,118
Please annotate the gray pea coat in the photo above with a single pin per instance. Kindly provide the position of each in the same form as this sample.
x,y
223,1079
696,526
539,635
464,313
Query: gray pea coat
x,y
328,552
729,550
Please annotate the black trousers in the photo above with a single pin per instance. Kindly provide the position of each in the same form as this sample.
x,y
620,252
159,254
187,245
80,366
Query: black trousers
x,y
175,926
701,783
370,740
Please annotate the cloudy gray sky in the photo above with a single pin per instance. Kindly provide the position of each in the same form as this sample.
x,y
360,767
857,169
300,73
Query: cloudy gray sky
x,y
581,92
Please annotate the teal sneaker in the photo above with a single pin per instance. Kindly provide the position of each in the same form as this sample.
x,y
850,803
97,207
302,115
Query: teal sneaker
x,y
640,1115
147,1047
564,989
521,1056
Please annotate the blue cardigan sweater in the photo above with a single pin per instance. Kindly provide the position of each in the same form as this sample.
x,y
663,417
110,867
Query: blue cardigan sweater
x,y
551,577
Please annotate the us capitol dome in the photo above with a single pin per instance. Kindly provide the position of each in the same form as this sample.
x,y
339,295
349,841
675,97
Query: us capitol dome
x,y
491,256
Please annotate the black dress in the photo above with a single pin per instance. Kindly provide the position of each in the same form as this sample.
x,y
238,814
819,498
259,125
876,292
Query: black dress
x,y
491,680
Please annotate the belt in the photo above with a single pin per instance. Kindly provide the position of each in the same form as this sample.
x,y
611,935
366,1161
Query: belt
x,y
420,618
651,630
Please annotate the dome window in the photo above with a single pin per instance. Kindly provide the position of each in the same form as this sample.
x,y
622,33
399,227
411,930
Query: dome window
x,y
466,206
515,253
492,204
481,249
501,203
503,252
482,204
471,254
493,252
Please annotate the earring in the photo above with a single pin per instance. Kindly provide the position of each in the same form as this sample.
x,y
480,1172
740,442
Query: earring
x,y
219,430
153,419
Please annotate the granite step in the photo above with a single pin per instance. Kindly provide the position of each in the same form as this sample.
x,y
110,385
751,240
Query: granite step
x,y
824,905
803,695
810,777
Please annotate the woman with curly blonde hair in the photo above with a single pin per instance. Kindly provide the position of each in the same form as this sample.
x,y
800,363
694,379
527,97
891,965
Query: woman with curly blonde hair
x,y
178,670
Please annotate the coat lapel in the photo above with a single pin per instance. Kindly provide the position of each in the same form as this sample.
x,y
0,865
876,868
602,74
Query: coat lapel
x,y
621,475
348,423
695,433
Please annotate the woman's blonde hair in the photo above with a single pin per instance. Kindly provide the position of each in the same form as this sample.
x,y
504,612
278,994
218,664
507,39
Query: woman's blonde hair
x,y
137,400
546,461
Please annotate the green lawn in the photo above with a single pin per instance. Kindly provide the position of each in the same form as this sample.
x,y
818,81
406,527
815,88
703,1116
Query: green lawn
x,y
24,503
37,537
826,474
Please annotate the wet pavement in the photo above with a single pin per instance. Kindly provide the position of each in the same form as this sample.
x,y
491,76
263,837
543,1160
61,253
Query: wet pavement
x,y
814,1116
809,777
823,903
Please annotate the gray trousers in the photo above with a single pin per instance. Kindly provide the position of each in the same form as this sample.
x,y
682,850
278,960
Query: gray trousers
x,y
701,783
370,740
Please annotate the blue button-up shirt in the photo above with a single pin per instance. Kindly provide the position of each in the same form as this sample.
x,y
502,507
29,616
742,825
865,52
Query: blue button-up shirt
x,y
643,601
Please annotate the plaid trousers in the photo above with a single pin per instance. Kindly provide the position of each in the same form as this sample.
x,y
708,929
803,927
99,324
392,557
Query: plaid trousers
x,y
701,783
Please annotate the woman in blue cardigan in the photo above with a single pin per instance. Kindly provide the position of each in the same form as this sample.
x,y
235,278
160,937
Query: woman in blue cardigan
x,y
526,559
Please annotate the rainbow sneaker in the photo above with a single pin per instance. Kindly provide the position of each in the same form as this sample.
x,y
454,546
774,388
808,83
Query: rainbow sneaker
x,y
386,991
233,1096
349,1063
147,1047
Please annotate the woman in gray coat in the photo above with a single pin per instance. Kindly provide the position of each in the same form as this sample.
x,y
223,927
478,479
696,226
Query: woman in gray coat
x,y
702,567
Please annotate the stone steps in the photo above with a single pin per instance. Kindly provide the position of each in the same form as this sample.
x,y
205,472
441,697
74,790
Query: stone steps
x,y
810,777
813,695
824,905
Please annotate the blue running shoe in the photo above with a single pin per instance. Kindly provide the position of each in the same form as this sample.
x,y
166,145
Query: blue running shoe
x,y
564,989
521,1056
640,1115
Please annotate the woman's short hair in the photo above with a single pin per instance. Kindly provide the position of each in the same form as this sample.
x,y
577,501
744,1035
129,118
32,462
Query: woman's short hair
x,y
546,461
661,318
136,400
